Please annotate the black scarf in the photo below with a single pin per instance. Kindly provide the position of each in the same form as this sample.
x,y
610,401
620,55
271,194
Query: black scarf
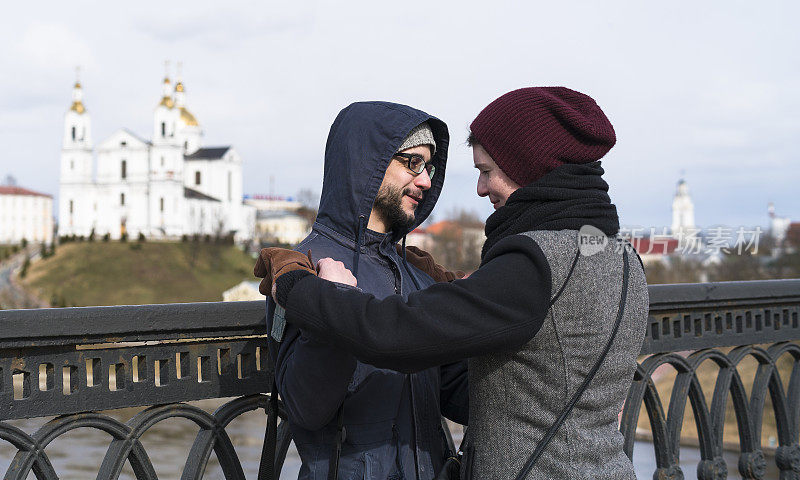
x,y
568,197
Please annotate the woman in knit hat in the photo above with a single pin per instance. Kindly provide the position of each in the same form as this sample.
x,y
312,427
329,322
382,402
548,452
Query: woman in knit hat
x,y
551,322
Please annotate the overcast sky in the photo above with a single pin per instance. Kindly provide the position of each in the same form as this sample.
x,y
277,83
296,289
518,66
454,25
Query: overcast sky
x,y
705,88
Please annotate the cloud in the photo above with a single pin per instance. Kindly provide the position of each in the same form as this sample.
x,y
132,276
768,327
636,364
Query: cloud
x,y
712,91
222,26
54,46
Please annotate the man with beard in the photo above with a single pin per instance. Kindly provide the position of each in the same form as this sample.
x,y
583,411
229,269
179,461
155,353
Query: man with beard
x,y
384,170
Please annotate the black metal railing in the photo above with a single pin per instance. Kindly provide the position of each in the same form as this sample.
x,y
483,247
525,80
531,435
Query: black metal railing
x,y
75,361
70,361
692,324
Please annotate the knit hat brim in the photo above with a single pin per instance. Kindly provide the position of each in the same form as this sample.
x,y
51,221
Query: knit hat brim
x,y
419,135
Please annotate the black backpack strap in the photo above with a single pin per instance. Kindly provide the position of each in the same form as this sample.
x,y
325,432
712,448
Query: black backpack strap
x,y
341,433
266,470
561,418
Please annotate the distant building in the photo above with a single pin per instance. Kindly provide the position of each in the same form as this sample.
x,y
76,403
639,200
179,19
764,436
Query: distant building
x,y
279,219
165,187
778,226
682,211
272,203
655,250
245,291
471,234
25,214
457,244
420,238
277,226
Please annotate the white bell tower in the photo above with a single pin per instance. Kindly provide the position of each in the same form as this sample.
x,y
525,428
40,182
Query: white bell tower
x,y
76,192
76,147
682,210
189,133
166,115
165,190
166,154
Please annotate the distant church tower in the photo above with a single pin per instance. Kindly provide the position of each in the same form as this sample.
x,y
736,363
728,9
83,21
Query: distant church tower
x,y
189,133
778,226
166,159
76,168
682,209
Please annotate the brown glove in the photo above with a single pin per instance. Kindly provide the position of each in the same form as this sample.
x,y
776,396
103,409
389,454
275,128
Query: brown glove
x,y
424,261
273,262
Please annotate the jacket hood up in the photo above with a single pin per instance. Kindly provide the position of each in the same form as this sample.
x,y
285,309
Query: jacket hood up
x,y
361,143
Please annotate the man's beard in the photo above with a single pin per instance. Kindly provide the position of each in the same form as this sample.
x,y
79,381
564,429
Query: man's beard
x,y
388,204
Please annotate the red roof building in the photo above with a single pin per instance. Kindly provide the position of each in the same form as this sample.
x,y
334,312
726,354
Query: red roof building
x,y
657,246
25,214
14,190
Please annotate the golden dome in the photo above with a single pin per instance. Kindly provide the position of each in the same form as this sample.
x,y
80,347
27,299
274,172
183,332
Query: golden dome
x,y
188,118
179,87
167,102
77,107
77,85
166,79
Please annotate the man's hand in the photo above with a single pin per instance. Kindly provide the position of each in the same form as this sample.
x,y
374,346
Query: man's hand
x,y
335,271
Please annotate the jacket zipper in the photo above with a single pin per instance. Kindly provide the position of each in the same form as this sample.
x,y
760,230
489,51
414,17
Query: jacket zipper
x,y
398,281
414,426
398,289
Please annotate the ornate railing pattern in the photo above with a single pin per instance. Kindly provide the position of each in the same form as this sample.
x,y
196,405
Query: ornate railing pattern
x,y
71,362
702,318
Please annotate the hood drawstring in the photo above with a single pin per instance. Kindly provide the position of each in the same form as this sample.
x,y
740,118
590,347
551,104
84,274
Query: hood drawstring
x,y
408,269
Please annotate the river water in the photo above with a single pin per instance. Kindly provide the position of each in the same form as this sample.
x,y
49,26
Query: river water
x,y
77,455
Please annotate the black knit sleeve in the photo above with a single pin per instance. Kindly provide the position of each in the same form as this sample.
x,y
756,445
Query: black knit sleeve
x,y
499,307
286,282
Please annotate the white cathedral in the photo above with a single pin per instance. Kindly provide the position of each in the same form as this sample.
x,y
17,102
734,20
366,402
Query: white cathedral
x,y
164,188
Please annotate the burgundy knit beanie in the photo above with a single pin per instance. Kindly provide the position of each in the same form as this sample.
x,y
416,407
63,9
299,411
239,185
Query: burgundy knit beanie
x,y
530,131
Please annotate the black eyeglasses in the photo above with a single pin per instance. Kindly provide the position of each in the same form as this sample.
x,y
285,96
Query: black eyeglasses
x,y
416,163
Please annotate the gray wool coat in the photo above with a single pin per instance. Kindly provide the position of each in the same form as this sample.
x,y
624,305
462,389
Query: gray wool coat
x,y
516,396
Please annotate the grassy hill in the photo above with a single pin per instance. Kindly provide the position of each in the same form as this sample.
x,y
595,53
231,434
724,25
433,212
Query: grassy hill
x,y
114,273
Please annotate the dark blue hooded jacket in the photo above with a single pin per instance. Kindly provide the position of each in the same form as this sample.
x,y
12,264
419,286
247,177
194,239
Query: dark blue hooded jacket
x,y
392,420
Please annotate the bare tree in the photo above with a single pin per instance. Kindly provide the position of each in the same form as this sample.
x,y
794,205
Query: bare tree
x,y
308,198
675,270
457,241
448,248
793,236
464,217
735,266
